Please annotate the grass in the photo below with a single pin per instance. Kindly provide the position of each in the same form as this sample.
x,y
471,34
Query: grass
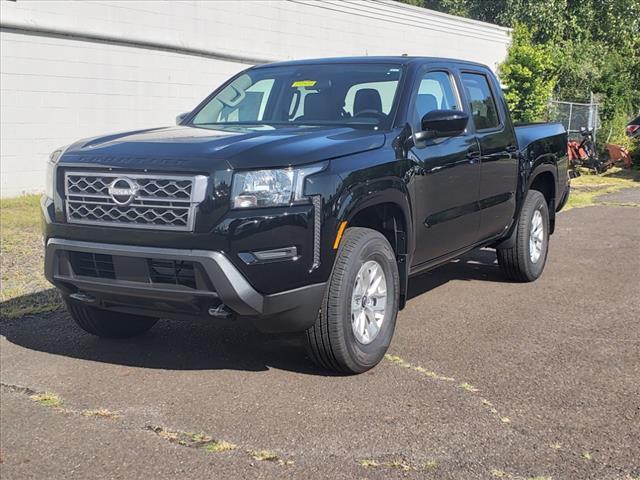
x,y
587,187
398,464
31,304
264,455
502,474
468,387
47,399
22,253
101,413
430,464
216,446
404,364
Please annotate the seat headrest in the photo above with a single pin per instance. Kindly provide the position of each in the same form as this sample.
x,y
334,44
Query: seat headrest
x,y
426,103
367,99
318,106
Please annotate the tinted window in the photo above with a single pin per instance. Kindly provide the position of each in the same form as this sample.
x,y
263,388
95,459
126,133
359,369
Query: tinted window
x,y
483,105
436,92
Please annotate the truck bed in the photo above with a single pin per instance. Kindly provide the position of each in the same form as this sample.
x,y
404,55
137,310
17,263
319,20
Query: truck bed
x,y
527,133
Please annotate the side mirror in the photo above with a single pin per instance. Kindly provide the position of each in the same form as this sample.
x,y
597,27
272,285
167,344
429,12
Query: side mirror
x,y
442,123
181,117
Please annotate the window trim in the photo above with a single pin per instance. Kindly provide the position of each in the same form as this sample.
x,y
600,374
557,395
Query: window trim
x,y
501,124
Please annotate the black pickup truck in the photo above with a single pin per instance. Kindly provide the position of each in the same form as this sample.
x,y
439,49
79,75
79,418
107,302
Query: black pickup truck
x,y
302,196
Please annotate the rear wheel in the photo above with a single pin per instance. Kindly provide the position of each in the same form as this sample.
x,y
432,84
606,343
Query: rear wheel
x,y
524,262
358,316
106,324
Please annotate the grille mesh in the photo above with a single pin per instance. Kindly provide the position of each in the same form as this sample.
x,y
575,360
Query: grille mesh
x,y
172,271
156,201
92,264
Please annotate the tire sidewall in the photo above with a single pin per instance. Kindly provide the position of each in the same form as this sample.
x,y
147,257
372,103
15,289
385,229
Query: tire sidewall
x,y
374,247
535,201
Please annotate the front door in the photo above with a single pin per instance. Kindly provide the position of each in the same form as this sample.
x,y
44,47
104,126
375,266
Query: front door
x,y
448,177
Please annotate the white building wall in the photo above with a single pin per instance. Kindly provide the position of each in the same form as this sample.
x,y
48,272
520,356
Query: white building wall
x,y
70,70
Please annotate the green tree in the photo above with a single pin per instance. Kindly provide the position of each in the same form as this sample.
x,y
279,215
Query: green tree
x,y
528,75
594,46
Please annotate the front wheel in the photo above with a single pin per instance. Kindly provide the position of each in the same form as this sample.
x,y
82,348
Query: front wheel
x,y
358,315
525,261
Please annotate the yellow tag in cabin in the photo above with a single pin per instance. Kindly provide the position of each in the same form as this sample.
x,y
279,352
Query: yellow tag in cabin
x,y
304,83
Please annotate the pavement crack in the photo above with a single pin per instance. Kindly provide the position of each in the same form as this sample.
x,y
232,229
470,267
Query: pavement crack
x,y
465,386
209,444
506,421
17,388
54,401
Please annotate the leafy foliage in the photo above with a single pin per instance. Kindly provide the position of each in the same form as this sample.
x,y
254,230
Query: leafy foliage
x,y
593,46
528,73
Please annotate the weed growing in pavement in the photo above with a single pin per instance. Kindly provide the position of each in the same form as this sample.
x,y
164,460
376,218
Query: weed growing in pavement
x,y
47,399
101,413
263,455
468,387
430,464
219,446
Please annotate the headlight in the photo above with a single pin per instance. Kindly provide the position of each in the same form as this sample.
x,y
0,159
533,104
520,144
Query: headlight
x,y
50,180
270,188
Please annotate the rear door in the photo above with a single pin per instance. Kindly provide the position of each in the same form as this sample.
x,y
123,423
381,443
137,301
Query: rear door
x,y
449,173
498,148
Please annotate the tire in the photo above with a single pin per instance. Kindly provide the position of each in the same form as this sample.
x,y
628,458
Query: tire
x,y
517,262
106,324
332,342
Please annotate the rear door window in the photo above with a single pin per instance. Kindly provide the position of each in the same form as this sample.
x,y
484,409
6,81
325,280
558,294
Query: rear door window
x,y
482,102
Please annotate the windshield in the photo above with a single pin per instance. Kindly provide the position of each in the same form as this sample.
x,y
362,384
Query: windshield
x,y
359,95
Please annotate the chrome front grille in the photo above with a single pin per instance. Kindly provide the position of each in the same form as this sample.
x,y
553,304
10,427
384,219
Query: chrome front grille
x,y
162,202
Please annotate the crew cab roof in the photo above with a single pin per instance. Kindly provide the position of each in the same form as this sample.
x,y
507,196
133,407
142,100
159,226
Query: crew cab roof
x,y
398,59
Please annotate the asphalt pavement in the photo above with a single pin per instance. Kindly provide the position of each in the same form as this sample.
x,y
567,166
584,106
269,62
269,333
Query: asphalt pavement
x,y
485,379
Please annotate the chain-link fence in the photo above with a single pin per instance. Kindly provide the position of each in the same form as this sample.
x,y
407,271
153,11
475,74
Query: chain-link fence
x,y
574,116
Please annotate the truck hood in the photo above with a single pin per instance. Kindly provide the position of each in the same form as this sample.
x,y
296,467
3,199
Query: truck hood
x,y
187,148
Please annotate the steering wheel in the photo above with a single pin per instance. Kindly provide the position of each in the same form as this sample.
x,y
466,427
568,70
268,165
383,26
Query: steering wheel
x,y
370,113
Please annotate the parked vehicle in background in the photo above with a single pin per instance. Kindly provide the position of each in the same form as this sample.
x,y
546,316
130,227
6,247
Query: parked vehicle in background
x,y
633,128
303,196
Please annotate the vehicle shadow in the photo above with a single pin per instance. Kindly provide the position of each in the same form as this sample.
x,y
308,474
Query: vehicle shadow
x,y
200,344
478,265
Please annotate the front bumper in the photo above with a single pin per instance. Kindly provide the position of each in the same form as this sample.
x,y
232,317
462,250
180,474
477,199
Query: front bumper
x,y
129,284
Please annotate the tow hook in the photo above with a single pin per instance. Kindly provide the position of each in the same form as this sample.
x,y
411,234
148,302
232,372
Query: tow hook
x,y
83,297
221,311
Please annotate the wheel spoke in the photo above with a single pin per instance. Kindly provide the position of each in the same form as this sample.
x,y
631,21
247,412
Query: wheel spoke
x,y
368,301
375,284
372,328
536,236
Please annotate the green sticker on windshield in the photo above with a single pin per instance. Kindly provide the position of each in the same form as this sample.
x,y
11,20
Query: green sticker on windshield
x,y
304,83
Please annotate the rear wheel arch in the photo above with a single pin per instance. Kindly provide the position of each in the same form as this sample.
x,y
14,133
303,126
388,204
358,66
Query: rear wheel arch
x,y
544,181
